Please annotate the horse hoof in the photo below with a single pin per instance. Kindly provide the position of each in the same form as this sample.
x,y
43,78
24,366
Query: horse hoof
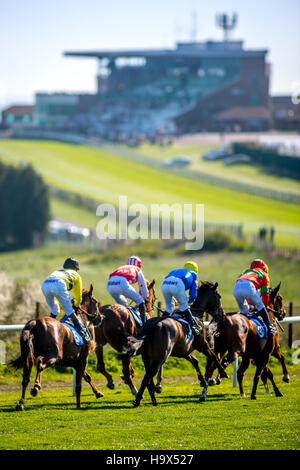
x,y
286,379
124,379
158,388
134,391
99,395
211,382
136,404
110,386
202,399
279,394
242,395
34,391
253,397
19,407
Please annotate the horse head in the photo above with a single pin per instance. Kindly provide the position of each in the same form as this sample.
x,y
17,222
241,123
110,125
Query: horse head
x,y
90,306
152,297
208,300
276,303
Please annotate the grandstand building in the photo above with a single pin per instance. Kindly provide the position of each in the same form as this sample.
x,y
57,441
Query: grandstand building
x,y
181,89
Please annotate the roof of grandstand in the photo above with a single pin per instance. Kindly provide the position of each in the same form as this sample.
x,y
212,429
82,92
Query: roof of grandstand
x,y
186,49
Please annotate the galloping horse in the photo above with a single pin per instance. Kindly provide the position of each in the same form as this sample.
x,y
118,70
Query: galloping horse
x,y
51,342
159,339
117,324
237,335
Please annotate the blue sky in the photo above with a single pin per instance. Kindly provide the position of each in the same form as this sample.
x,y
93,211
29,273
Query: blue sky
x,y
34,34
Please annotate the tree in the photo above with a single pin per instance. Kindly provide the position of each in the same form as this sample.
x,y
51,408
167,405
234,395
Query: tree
x,y
24,206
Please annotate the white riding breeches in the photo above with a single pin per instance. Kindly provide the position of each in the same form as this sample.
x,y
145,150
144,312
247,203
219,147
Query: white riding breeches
x,y
245,290
173,289
119,288
55,290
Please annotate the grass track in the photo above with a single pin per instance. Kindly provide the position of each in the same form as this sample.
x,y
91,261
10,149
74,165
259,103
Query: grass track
x,y
179,422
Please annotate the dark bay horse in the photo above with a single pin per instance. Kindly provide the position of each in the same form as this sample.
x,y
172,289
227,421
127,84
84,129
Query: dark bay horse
x,y
159,339
236,335
116,326
48,342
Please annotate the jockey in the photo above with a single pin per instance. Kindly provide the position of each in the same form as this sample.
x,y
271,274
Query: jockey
x,y
119,285
247,287
175,285
56,289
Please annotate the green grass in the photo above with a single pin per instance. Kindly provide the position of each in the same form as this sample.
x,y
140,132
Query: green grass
x,y
103,176
252,175
179,422
223,267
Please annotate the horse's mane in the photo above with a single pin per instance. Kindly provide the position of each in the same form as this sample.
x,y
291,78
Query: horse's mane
x,y
207,284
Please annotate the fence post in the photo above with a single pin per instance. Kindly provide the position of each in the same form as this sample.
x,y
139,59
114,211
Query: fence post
x,y
291,311
37,310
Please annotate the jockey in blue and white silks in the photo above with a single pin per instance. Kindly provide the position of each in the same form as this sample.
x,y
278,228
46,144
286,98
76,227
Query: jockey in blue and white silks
x,y
174,287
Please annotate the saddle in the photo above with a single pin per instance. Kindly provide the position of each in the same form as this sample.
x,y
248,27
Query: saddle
x,y
136,316
261,327
76,336
186,326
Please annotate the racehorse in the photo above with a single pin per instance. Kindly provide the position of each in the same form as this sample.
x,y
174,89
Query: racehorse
x,y
237,335
163,337
116,326
51,342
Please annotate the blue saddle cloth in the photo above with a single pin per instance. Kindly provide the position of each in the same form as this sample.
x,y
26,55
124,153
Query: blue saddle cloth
x,y
136,316
186,326
260,325
76,336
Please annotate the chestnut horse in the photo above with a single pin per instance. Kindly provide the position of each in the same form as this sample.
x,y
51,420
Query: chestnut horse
x,y
237,335
51,342
117,324
161,338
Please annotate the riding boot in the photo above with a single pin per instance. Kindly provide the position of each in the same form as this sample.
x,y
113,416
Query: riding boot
x,y
52,315
82,331
187,314
142,310
264,314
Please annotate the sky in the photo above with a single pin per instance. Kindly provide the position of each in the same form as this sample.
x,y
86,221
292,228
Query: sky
x,y
35,33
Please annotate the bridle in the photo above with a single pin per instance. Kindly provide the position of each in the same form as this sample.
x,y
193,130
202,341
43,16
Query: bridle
x,y
214,312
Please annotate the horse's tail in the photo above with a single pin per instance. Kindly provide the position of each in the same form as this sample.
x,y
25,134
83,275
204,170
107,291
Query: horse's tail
x,y
134,344
131,348
27,348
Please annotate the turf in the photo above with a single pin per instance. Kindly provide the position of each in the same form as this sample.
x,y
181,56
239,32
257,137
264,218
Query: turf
x,y
179,422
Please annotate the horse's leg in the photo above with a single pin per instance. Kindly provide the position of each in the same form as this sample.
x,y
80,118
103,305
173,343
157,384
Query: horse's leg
x,y
195,364
261,363
25,381
268,373
89,380
241,372
127,376
278,354
151,370
101,367
42,364
206,349
158,386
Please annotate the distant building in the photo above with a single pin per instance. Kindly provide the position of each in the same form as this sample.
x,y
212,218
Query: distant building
x,y
285,113
17,116
180,89
55,110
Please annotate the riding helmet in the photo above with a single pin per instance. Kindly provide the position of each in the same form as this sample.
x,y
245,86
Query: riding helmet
x,y
259,264
71,263
192,266
135,261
